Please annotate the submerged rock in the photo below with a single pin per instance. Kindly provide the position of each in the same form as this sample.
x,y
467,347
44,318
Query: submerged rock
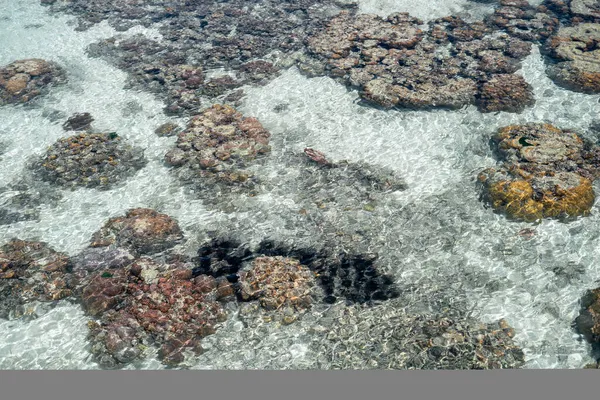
x,y
222,256
396,64
543,144
20,200
142,230
150,303
155,67
103,291
588,321
167,129
97,160
560,195
30,273
217,144
510,93
336,188
218,86
95,258
245,39
23,80
577,57
278,283
523,20
588,9
116,341
79,122
547,172
351,174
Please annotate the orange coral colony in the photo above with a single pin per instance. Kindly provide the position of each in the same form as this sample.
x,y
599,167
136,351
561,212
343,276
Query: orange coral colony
x,y
547,173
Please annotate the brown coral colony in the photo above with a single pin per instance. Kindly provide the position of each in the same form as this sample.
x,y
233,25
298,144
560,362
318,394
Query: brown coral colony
x,y
143,230
396,64
218,143
32,272
23,80
546,172
90,160
145,300
278,282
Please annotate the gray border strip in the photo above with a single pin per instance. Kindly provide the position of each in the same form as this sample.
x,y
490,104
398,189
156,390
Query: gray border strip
x,y
305,385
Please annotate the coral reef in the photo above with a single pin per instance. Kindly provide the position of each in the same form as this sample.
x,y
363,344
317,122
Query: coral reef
x,y
171,303
141,295
23,80
217,144
396,64
575,11
547,172
150,303
243,38
577,58
587,9
30,273
97,160
142,230
155,67
523,20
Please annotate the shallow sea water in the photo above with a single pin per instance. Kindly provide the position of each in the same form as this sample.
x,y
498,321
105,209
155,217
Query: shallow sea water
x,y
436,233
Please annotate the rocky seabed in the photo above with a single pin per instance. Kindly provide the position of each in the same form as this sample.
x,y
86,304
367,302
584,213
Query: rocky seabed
x,y
299,184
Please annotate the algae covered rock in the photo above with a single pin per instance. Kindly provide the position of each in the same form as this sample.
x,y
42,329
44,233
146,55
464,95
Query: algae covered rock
x,y
278,282
395,63
556,195
546,172
103,291
247,39
95,160
150,303
523,20
589,9
138,301
23,80
505,92
32,272
217,144
577,57
143,230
